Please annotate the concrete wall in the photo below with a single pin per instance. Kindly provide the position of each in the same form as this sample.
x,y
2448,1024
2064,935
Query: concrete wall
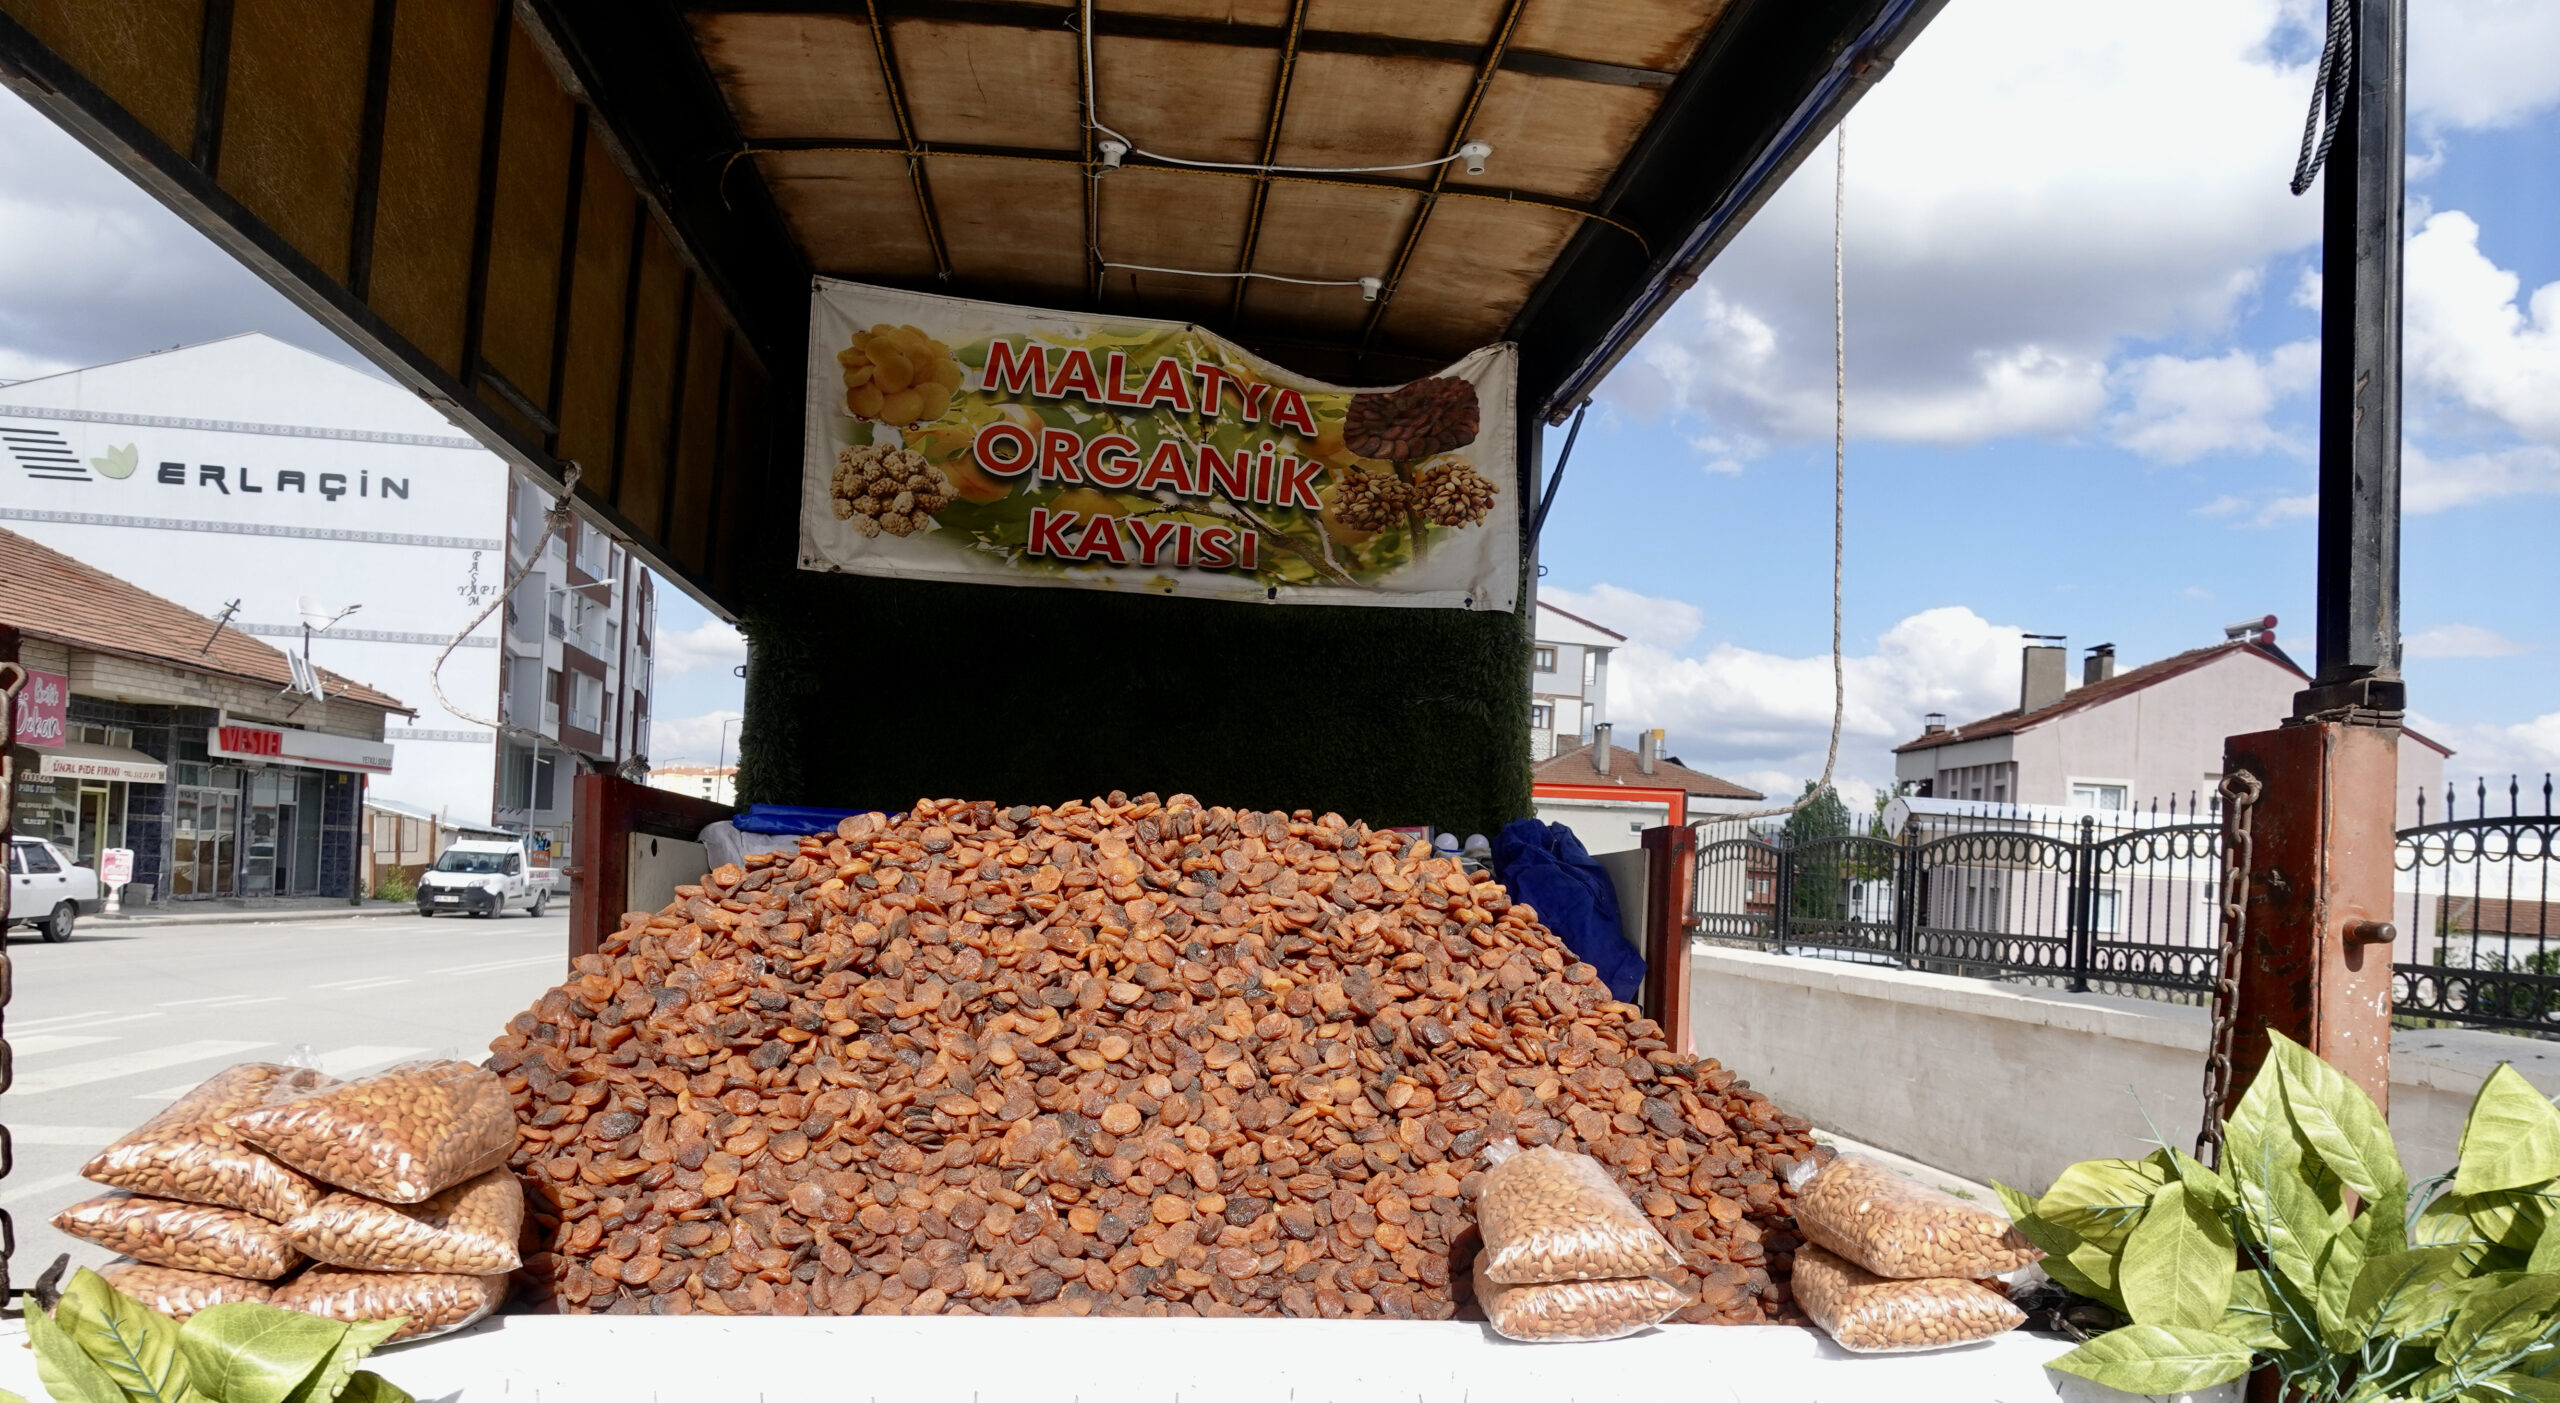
x,y
2004,1081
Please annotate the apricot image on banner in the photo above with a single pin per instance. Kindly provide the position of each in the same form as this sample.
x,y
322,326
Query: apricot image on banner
x,y
971,441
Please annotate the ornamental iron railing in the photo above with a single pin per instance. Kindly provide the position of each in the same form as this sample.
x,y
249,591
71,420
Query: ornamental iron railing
x,y
2124,901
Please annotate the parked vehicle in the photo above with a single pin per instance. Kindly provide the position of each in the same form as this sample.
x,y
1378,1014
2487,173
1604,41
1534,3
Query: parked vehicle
x,y
484,876
47,889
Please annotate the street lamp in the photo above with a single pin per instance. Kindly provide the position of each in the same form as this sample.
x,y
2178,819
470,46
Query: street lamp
x,y
723,762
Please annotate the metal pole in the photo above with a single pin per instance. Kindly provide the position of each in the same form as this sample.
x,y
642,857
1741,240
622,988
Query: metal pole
x,y
2358,669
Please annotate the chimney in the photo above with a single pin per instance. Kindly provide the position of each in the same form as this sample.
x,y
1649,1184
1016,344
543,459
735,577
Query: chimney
x,y
1600,747
2099,665
2041,672
1934,724
1648,750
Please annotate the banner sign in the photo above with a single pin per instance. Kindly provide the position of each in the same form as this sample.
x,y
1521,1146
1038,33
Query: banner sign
x,y
249,740
43,710
971,441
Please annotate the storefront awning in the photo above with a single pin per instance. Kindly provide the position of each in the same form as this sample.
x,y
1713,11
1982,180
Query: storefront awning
x,y
86,760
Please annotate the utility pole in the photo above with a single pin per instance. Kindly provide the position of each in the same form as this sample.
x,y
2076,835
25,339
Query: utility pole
x,y
2316,937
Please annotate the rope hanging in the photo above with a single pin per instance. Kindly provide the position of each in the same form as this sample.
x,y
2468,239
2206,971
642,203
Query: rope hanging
x,y
555,522
1839,476
2328,94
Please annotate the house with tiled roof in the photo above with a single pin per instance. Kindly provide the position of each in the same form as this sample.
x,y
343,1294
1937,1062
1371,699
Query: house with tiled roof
x,y
1608,795
226,767
2121,739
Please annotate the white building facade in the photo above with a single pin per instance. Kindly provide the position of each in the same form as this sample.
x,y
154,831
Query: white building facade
x,y
1568,680
244,477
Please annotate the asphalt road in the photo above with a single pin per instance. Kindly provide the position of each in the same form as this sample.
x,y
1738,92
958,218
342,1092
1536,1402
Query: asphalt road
x,y
117,1023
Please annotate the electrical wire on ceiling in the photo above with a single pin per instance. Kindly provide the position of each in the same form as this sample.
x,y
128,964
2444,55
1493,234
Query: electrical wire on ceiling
x,y
1473,152
1839,481
1119,146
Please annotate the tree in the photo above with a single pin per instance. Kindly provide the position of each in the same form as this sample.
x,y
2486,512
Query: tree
x,y
1820,869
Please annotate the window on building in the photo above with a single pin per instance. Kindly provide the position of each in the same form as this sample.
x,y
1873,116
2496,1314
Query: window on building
x,y
1542,716
2110,798
2102,911
1546,658
586,701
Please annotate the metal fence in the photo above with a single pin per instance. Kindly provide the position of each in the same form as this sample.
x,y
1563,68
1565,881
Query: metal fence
x,y
2126,902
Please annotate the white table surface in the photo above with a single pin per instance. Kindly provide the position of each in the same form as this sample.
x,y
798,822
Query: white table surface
x,y
951,1359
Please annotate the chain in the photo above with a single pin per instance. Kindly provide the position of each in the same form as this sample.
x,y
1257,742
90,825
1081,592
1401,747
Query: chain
x,y
2240,791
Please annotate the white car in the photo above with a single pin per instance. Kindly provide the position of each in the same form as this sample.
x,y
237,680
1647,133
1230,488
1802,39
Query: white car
x,y
47,889
484,877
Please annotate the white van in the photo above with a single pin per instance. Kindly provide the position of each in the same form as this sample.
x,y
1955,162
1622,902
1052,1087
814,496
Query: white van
x,y
484,876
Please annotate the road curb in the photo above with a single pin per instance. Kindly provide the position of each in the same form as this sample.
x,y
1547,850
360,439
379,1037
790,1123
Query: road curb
x,y
226,918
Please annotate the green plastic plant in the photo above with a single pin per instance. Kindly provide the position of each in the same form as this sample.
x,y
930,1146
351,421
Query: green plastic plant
x,y
102,1346
2310,1251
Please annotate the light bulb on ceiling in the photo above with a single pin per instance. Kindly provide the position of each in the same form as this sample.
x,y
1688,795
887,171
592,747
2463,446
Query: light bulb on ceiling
x,y
1475,152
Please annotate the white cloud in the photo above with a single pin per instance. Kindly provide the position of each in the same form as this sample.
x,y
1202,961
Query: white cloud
x,y
1667,624
2526,749
694,740
2184,408
2468,336
1764,719
2432,484
2265,511
93,269
2461,641
709,644
2482,63
1994,260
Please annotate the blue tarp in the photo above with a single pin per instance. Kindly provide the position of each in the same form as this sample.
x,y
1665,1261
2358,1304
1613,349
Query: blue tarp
x,y
1546,866
791,819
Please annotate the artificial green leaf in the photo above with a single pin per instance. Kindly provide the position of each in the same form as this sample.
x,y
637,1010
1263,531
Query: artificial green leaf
x,y
2260,1137
2203,1185
2295,1225
2389,1288
366,1386
2070,1260
2339,1120
2340,1263
2546,1250
326,1381
2512,1139
2385,1224
2157,1359
2178,1264
2101,1199
68,1374
2503,1223
2511,1387
2257,1319
136,1345
245,1352
7,1397
2494,1322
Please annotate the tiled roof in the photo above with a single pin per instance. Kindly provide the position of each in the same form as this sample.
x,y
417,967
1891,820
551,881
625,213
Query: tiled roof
x,y
2091,694
46,594
2123,683
1574,767
1586,623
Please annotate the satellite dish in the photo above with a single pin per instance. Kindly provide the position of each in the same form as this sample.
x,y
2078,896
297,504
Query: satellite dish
x,y
314,615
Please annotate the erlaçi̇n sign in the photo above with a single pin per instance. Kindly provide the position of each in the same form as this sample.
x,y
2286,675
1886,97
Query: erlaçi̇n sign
x,y
1266,473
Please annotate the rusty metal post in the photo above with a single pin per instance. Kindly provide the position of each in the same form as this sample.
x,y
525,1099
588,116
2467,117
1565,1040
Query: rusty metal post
x,y
1670,870
2316,964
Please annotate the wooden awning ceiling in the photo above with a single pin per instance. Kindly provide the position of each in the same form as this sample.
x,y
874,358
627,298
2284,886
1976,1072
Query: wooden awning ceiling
x,y
947,144
585,228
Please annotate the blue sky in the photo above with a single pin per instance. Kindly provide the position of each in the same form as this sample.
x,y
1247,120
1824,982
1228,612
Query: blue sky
x,y
2080,366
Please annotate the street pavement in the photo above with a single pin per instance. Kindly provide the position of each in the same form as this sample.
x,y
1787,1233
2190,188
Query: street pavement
x,y
114,1025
